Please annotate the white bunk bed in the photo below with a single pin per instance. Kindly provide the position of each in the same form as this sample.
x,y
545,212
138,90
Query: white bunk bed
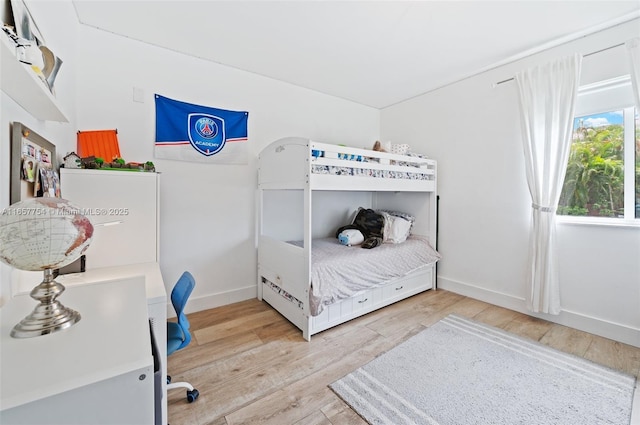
x,y
307,190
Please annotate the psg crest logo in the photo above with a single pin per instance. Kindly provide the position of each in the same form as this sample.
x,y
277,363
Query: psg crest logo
x,y
206,133
206,127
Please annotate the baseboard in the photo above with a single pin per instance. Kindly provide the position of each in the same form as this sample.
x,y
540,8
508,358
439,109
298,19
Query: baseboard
x,y
205,302
583,322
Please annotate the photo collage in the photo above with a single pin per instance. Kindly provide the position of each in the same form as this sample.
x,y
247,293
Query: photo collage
x,y
37,168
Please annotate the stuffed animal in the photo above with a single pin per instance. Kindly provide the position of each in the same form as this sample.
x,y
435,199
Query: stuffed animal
x,y
377,146
351,237
370,224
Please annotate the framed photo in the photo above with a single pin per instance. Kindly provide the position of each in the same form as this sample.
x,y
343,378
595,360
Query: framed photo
x,y
28,148
45,182
45,157
29,169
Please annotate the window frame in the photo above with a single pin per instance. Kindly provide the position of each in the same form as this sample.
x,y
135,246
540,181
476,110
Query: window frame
x,y
629,110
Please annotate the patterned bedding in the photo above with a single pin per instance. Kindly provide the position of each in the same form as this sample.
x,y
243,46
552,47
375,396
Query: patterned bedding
x,y
341,272
413,172
366,172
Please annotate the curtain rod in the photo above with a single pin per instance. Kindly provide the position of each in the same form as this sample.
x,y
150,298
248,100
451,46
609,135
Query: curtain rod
x,y
584,56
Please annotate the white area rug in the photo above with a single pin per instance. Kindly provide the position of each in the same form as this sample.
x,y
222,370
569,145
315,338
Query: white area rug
x,y
461,372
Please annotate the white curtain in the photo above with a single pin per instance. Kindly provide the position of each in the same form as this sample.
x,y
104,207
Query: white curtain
x,y
547,96
633,47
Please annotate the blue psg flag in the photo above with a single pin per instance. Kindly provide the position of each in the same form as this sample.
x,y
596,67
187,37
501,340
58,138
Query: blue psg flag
x,y
190,132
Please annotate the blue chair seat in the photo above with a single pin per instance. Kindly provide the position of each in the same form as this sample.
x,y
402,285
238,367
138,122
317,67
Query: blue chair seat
x,y
175,337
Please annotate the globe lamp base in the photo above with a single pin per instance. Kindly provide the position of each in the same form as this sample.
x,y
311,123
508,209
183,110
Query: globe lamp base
x,y
50,315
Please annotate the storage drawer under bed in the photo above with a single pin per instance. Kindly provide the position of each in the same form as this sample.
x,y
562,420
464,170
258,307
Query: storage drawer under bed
x,y
349,308
373,299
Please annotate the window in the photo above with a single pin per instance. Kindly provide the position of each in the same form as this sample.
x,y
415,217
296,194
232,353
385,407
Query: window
x,y
603,172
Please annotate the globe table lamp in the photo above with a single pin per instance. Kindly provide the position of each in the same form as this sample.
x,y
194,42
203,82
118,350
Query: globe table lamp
x,y
44,234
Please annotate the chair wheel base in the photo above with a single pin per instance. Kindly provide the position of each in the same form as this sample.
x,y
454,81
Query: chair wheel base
x,y
192,395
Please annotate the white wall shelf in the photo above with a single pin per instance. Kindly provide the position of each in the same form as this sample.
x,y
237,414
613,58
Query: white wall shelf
x,y
23,85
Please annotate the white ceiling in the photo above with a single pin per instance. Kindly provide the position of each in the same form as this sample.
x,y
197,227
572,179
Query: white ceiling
x,y
376,53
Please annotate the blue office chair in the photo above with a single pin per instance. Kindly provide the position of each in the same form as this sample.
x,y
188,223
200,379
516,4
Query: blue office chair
x,y
178,335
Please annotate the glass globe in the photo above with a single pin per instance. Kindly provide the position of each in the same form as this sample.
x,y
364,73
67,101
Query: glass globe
x,y
44,234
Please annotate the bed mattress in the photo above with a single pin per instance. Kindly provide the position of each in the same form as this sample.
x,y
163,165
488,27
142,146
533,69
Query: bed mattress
x,y
340,272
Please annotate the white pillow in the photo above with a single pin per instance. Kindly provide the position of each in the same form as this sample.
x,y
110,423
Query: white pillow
x,y
404,215
396,229
399,148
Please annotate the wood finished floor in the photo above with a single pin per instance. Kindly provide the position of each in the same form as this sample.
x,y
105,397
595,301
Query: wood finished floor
x,y
252,366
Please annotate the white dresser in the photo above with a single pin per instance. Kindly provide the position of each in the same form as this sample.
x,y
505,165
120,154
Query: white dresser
x,y
124,209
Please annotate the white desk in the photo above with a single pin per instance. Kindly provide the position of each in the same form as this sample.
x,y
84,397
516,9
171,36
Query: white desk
x,y
79,375
119,295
